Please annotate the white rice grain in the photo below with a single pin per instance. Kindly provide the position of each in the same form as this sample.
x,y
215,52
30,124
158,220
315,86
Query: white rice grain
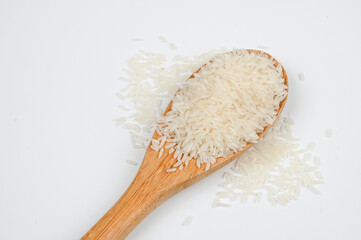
x,y
158,131
163,39
289,121
311,145
173,46
222,194
120,121
160,152
223,204
170,145
262,47
257,197
244,197
301,77
154,148
155,142
328,132
187,221
316,160
313,189
131,162
130,126
318,175
234,196
123,108
162,142
215,202
137,39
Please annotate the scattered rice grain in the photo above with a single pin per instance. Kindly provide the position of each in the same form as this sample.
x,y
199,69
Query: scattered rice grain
x,y
301,77
187,221
173,46
131,162
223,204
160,153
328,132
163,39
137,39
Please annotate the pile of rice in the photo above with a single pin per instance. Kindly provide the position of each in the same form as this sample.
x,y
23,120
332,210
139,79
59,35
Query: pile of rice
x,y
276,169
222,108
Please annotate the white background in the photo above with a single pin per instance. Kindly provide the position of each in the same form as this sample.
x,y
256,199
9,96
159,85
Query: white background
x,y
62,160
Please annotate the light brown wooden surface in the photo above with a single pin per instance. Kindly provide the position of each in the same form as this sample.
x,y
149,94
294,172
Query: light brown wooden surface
x,y
153,185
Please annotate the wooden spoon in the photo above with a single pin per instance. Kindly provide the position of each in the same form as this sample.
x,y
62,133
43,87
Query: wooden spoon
x,y
153,185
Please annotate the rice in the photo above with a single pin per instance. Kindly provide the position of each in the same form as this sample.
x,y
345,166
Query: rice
x,y
223,205
289,121
170,145
187,221
275,167
162,142
222,194
120,96
208,165
123,108
131,162
215,202
262,47
313,189
130,126
125,79
137,39
234,196
155,142
155,148
311,145
163,39
160,153
213,115
158,131
244,197
149,83
151,80
177,164
257,198
173,46
318,175
301,77
316,161
328,132
120,121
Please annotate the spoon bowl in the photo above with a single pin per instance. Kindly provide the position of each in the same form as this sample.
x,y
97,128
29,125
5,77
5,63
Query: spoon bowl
x,y
153,185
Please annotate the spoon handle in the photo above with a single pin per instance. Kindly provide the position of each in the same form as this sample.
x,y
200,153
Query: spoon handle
x,y
136,203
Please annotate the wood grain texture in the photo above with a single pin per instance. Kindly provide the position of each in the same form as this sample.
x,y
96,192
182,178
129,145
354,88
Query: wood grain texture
x,y
153,185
